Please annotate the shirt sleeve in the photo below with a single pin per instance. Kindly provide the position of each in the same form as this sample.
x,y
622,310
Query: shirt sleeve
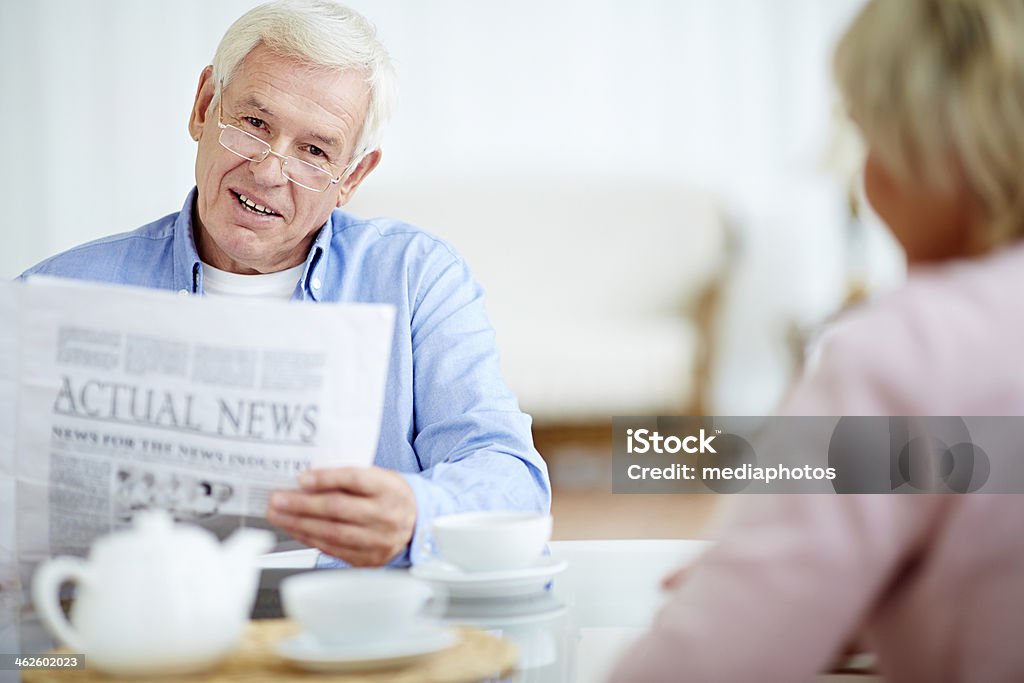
x,y
474,444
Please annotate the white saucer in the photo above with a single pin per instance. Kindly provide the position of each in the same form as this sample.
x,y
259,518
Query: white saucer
x,y
497,584
306,652
502,612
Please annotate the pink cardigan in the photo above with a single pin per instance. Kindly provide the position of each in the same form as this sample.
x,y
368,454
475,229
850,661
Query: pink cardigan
x,y
936,583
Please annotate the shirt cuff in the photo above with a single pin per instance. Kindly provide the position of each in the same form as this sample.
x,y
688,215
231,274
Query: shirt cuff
x,y
421,545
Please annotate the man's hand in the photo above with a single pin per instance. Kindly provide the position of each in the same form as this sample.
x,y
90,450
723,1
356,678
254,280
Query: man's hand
x,y
363,515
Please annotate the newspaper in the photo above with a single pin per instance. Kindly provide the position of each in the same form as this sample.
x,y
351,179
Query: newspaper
x,y
115,399
10,594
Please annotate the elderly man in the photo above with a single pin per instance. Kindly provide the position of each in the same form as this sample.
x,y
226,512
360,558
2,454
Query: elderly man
x,y
288,120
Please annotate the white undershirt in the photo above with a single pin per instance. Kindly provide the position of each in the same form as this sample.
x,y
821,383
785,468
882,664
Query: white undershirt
x,y
279,285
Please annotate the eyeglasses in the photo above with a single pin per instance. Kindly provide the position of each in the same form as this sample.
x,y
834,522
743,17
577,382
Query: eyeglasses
x,y
250,147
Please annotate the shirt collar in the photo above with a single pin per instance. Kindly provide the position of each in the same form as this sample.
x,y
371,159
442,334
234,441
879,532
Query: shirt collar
x,y
188,273
314,277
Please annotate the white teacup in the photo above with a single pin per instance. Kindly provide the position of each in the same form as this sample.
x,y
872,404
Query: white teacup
x,y
492,541
343,606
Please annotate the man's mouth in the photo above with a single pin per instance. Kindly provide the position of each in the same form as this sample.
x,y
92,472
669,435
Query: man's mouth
x,y
252,207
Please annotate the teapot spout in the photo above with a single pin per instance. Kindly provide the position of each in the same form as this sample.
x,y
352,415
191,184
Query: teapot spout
x,y
240,552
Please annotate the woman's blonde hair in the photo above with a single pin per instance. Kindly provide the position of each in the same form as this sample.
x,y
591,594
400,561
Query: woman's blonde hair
x,y
322,34
939,84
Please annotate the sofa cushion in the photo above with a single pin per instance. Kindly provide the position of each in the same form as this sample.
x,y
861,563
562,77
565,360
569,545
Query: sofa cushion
x,y
592,370
590,282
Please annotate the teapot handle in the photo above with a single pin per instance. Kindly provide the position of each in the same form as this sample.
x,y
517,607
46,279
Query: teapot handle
x,y
45,593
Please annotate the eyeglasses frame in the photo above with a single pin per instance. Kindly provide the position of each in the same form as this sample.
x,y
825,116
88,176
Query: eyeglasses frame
x,y
270,151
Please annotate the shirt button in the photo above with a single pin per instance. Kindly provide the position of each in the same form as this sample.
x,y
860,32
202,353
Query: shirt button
x,y
183,292
316,283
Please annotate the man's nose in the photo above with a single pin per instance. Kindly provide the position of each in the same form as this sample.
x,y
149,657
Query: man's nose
x,y
269,172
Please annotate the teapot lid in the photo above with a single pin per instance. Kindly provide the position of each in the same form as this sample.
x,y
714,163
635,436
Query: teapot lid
x,y
154,534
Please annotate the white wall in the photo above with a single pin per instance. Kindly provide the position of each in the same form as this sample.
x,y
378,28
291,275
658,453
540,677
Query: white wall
x,y
724,93
729,95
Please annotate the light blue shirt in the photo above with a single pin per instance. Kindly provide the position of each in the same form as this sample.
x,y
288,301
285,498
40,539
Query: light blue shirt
x,y
450,423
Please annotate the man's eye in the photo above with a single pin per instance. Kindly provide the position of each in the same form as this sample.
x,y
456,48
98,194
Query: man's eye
x,y
255,122
315,151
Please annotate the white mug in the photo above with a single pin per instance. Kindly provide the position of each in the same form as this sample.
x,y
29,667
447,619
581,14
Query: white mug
x,y
492,541
347,606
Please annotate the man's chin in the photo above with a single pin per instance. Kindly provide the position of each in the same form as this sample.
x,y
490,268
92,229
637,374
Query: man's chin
x,y
230,247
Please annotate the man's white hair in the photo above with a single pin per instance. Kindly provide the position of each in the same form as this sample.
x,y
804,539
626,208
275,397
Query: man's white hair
x,y
320,33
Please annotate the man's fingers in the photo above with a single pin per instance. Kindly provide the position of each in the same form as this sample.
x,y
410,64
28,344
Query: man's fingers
x,y
332,506
363,481
364,515
345,542
323,532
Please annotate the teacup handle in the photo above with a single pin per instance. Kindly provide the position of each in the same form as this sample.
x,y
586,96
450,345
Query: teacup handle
x,y
46,595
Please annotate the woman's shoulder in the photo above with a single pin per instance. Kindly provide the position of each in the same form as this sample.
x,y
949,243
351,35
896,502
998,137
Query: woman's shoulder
x,y
945,342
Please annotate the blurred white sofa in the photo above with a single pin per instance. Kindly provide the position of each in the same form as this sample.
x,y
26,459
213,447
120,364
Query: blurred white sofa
x,y
593,285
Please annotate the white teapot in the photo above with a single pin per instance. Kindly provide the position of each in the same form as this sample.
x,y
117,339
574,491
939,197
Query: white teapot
x,y
156,598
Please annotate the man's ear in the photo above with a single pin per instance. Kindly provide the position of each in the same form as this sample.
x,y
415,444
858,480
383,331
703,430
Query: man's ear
x,y
348,185
200,108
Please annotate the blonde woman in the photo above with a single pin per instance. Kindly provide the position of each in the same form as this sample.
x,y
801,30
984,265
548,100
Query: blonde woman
x,y
935,583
